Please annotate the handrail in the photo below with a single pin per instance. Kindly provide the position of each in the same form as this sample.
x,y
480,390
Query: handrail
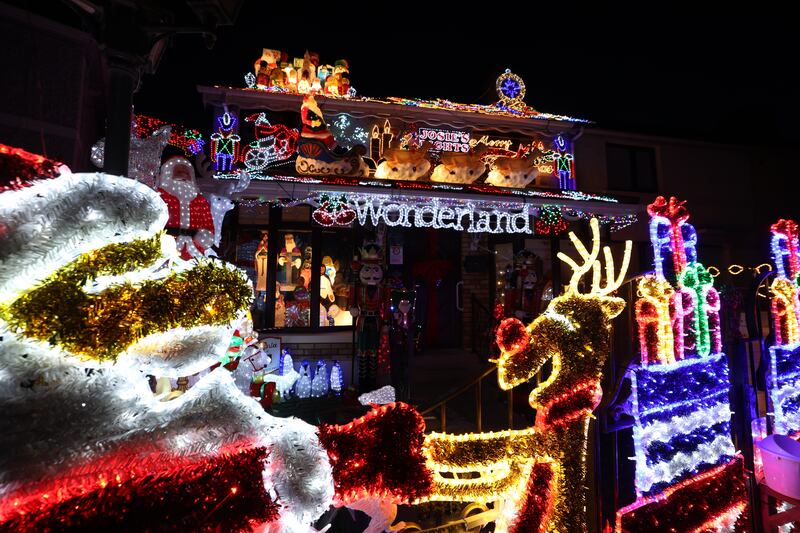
x,y
483,323
459,392
477,384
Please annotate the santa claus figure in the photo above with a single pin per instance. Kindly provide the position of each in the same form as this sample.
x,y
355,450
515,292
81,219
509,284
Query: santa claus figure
x,y
190,220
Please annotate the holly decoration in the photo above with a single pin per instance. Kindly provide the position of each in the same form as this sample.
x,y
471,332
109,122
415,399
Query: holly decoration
x,y
550,221
333,210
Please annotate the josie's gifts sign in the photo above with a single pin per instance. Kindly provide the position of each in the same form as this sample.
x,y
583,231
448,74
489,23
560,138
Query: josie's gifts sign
x,y
444,140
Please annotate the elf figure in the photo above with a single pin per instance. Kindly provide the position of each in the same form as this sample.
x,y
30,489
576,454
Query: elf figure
x,y
190,220
368,306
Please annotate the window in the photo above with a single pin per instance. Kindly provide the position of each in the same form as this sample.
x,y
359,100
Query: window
x,y
293,280
334,287
631,168
281,251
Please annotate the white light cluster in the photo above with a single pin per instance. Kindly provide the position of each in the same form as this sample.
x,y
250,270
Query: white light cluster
x,y
380,396
434,213
77,416
664,431
665,472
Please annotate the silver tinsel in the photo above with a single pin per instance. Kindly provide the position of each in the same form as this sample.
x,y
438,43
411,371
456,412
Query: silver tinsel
x,y
63,416
144,156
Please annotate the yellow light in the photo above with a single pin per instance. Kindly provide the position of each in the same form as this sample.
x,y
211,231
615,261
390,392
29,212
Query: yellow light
x,y
652,315
786,311
573,333
735,270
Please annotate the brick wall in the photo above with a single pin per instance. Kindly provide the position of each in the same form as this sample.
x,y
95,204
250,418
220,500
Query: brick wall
x,y
324,350
316,346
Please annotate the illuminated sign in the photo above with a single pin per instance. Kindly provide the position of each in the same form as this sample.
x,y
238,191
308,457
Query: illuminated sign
x,y
433,213
445,140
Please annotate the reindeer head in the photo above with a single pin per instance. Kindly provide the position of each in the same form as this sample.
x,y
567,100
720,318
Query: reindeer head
x,y
573,331
402,164
512,172
460,167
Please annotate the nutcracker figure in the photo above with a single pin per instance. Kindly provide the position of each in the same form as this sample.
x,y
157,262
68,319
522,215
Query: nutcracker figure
x,y
368,307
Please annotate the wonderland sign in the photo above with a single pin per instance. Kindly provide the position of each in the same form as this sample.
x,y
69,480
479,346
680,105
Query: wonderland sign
x,y
426,213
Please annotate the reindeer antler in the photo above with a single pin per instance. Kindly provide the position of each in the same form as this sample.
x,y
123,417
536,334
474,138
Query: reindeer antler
x,y
591,262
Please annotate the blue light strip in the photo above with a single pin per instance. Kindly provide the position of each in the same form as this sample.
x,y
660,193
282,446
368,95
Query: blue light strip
x,y
682,420
784,387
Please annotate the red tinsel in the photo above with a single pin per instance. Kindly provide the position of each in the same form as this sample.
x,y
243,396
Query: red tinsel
x,y
580,400
19,168
535,510
379,455
690,504
512,335
223,493
188,140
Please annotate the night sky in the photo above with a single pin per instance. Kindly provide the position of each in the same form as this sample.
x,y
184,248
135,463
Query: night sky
x,y
727,82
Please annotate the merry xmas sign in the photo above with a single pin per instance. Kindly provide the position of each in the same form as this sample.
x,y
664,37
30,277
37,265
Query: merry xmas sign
x,y
433,213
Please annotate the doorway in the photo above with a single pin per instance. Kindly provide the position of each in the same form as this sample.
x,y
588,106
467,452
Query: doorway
x,y
433,266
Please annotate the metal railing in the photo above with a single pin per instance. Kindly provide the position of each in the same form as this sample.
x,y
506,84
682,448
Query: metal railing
x,y
482,326
477,386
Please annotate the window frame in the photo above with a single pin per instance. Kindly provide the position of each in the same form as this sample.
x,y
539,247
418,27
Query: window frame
x,y
632,150
274,228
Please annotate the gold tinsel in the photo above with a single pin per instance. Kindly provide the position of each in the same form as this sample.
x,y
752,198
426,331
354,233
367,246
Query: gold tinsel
x,y
100,326
574,334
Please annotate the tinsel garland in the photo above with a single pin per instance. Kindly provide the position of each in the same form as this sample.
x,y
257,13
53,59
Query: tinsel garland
x,y
379,454
100,326
511,335
49,224
537,501
689,505
19,168
225,492
661,385
572,405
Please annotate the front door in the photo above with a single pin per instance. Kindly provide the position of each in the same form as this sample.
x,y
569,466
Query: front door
x,y
435,270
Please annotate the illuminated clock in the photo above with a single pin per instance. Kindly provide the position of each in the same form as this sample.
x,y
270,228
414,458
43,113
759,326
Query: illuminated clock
x,y
510,89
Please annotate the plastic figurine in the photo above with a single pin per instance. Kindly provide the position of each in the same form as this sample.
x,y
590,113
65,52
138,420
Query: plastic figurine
x,y
460,168
190,220
319,385
317,151
368,306
512,172
402,164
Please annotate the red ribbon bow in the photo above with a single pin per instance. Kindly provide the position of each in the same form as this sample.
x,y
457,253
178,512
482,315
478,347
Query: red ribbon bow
x,y
673,210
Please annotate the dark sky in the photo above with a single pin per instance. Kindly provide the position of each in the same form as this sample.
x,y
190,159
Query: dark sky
x,y
712,80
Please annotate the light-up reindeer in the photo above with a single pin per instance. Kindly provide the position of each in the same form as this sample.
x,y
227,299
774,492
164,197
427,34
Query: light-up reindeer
x,y
537,475
785,290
